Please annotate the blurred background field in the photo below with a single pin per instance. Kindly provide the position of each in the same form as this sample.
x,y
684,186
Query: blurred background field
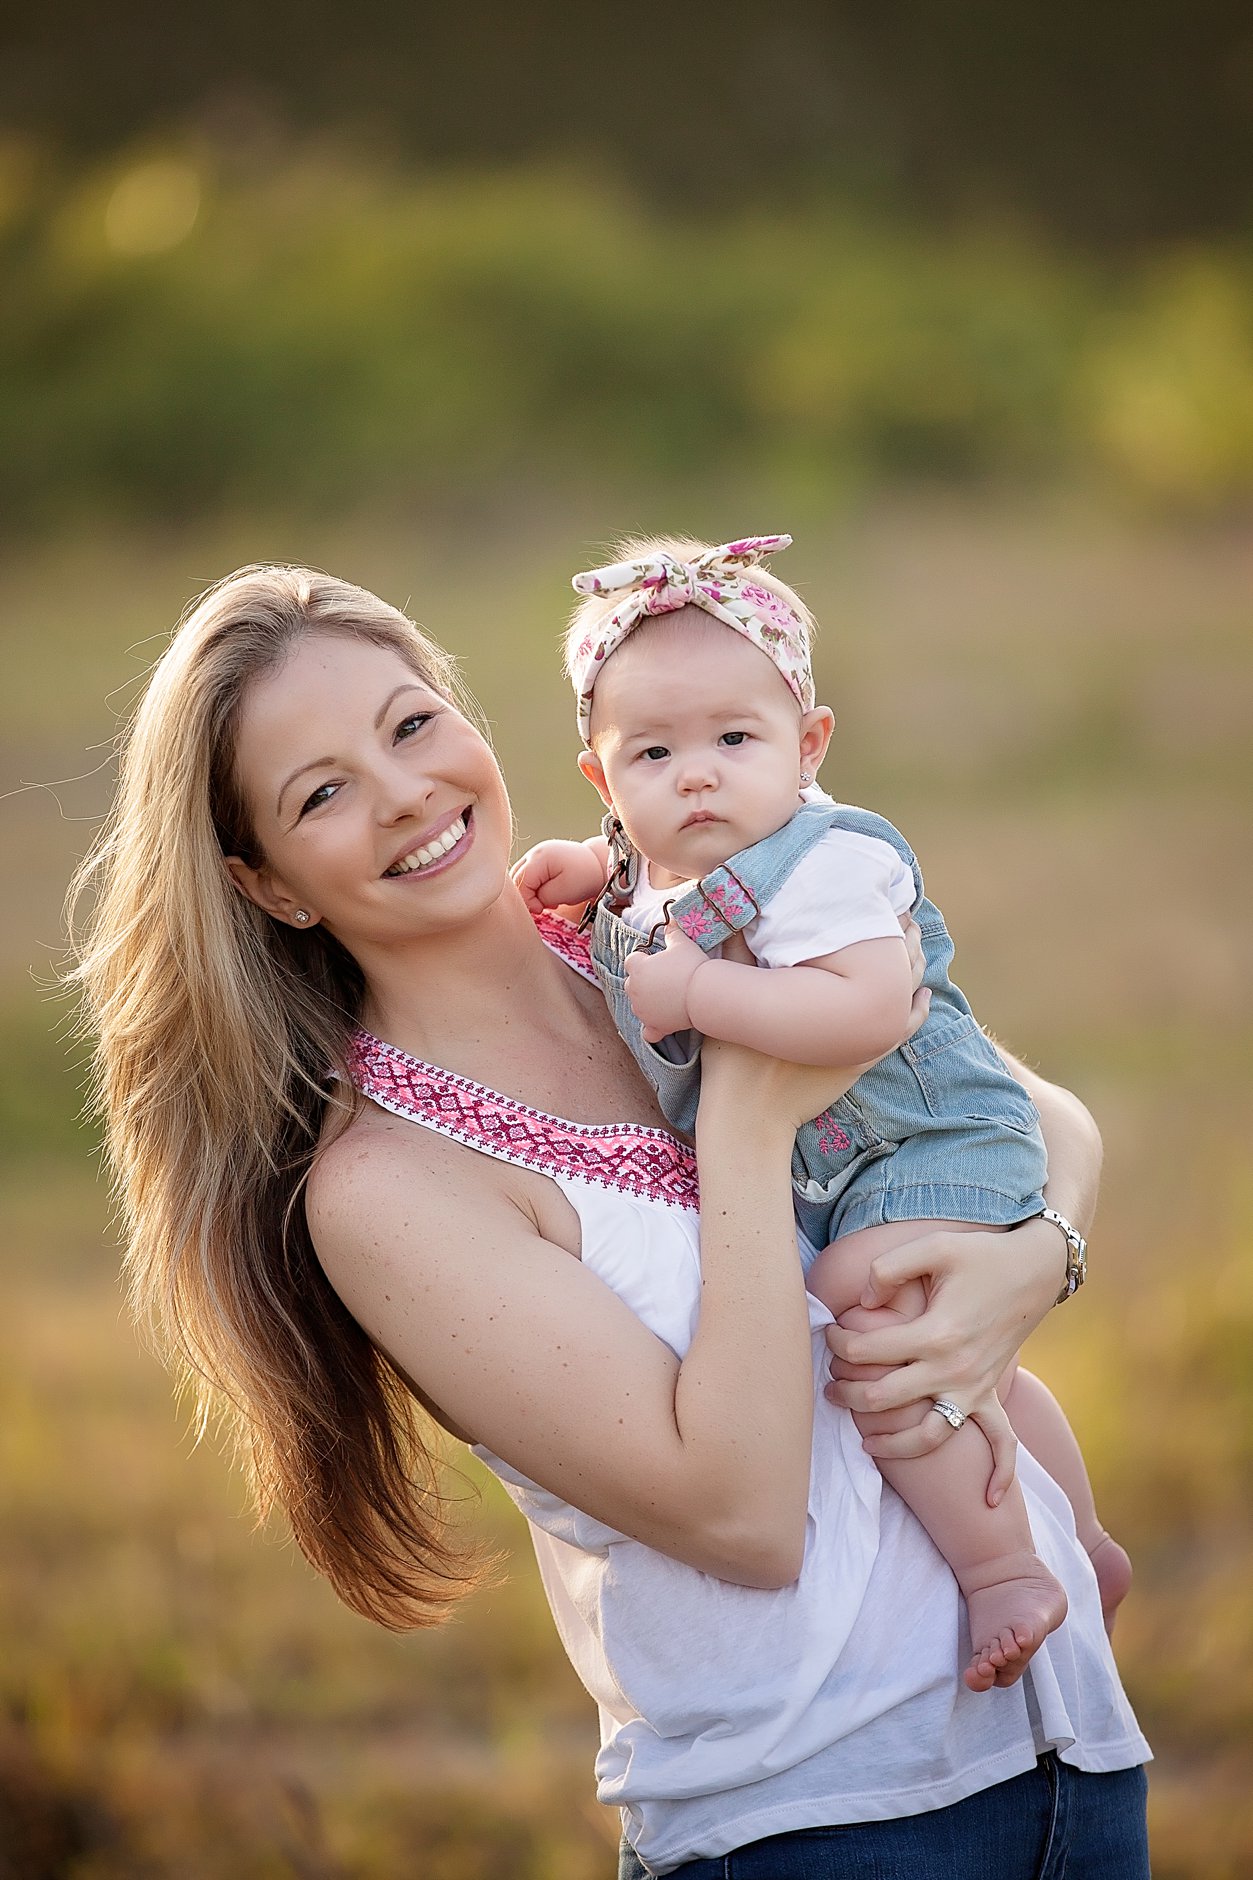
x,y
971,314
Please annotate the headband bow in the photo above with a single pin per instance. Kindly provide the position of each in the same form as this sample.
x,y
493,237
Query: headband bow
x,y
714,581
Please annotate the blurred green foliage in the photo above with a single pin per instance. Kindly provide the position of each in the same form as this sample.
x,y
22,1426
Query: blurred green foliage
x,y
175,336
1098,123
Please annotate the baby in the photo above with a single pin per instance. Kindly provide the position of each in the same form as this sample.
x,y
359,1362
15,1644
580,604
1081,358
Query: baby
x,y
696,705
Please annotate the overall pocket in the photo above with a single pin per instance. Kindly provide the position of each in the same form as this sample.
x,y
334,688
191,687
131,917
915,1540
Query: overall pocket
x,y
959,1073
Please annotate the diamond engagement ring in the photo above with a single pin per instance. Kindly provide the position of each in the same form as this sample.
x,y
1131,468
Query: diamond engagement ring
x,y
949,1411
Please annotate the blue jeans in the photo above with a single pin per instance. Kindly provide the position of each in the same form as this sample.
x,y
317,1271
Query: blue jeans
x,y
1053,1823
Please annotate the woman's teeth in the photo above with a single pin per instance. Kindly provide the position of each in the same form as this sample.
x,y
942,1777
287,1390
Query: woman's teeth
x,y
422,858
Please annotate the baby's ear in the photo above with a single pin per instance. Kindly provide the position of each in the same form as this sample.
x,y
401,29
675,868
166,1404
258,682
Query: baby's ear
x,y
594,771
817,726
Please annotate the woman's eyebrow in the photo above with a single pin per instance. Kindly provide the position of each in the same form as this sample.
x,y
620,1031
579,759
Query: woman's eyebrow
x,y
326,763
410,685
316,763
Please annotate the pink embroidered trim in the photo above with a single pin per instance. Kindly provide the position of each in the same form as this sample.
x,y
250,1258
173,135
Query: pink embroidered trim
x,y
567,943
704,918
631,1157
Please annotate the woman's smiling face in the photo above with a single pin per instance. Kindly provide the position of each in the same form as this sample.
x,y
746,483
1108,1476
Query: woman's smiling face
x,y
377,807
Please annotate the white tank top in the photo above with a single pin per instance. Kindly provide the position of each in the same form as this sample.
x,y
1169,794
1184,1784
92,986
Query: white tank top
x,y
729,1713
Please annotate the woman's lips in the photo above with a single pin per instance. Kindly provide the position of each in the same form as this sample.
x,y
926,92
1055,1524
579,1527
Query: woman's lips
x,y
448,846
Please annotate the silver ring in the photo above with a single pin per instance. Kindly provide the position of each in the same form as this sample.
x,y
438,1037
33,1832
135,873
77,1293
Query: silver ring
x,y
949,1411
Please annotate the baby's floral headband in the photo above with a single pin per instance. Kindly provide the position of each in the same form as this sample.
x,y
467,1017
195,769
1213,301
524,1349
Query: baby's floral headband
x,y
714,581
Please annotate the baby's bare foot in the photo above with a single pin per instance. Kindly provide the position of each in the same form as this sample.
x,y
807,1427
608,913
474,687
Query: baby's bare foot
x,y
1113,1575
1012,1603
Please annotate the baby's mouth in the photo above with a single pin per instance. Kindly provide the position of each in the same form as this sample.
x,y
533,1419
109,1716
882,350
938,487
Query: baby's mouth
x,y
433,851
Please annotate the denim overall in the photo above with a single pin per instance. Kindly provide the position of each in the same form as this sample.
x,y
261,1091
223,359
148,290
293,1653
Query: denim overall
x,y
938,1130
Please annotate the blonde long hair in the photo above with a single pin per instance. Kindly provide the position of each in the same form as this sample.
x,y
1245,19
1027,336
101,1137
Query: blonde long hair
x,y
221,1041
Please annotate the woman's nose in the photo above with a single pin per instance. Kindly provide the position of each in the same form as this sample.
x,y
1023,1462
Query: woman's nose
x,y
401,792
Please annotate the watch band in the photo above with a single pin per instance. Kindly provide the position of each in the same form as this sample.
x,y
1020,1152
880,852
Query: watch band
x,y
1076,1252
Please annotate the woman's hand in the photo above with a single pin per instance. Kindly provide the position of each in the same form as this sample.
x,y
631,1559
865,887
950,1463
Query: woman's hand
x,y
745,1089
986,1292
921,1002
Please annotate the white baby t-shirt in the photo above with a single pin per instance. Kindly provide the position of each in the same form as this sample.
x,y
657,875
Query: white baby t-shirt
x,y
847,888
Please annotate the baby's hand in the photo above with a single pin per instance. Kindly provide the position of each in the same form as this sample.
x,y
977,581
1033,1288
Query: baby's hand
x,y
657,984
558,874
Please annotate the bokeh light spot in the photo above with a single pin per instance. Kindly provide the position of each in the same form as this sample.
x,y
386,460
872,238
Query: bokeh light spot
x,y
153,208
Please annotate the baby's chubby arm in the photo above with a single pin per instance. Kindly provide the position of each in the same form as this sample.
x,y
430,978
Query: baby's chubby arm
x,y
562,876
851,1006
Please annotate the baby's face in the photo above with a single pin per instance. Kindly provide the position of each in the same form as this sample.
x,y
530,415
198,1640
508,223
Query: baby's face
x,y
698,742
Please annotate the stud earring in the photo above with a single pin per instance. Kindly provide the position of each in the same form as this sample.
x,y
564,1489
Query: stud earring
x,y
806,778
300,916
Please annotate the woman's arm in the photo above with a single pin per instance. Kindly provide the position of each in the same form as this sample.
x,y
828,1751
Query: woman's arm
x,y
520,1344
1074,1147
986,1291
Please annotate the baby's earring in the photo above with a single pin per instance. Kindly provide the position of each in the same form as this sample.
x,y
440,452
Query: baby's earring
x,y
806,779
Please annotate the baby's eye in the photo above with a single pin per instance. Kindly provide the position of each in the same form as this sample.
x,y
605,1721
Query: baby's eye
x,y
734,737
655,752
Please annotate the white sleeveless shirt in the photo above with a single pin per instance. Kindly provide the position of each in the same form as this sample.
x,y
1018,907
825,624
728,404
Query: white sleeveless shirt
x,y
729,1713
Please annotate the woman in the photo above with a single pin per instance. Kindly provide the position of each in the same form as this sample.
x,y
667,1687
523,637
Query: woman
x,y
380,1145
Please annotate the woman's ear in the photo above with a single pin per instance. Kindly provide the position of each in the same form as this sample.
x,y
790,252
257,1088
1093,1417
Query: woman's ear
x,y
594,771
817,726
259,886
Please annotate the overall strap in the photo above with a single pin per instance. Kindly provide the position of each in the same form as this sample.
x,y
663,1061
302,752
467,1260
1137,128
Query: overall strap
x,y
732,895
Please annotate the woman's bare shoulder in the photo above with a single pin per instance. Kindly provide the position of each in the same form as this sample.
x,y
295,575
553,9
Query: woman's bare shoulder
x,y
381,1161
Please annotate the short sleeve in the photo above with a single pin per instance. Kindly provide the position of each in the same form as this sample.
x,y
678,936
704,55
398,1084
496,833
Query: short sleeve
x,y
848,888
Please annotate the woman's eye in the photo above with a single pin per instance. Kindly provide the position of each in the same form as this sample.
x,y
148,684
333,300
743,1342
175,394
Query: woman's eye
x,y
414,722
734,737
323,794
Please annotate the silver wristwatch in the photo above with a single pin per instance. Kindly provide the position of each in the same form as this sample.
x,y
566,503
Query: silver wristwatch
x,y
1076,1252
